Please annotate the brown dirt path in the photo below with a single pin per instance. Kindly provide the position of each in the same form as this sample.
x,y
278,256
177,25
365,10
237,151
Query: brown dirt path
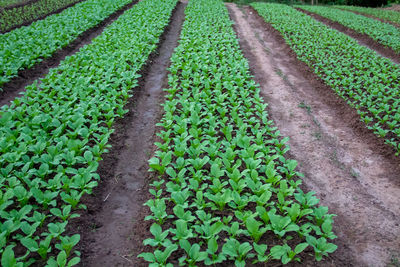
x,y
25,77
362,39
351,170
112,230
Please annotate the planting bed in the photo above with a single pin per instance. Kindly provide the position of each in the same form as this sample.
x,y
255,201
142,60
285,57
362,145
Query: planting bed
x,y
24,47
362,39
26,12
15,86
386,15
198,133
353,172
383,33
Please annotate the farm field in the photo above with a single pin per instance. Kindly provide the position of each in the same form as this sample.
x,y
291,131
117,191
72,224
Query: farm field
x,y
197,133
21,13
385,34
385,15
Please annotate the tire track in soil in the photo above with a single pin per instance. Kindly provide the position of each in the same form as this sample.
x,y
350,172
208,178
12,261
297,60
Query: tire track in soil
x,y
113,227
16,86
362,39
351,170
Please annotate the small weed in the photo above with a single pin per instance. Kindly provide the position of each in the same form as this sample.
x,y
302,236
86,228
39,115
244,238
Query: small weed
x,y
305,106
354,173
305,126
317,135
394,261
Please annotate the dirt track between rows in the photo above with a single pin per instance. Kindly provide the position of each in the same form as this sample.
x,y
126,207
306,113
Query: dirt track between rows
x,y
350,169
113,229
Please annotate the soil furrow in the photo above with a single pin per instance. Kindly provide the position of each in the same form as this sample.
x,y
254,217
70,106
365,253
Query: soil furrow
x,y
29,22
362,39
112,229
351,170
16,86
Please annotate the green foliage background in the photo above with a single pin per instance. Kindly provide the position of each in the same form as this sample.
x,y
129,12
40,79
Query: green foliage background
x,y
371,3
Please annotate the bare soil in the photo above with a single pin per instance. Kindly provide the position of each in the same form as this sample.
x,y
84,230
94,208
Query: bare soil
x,y
351,170
113,228
25,77
362,39
29,22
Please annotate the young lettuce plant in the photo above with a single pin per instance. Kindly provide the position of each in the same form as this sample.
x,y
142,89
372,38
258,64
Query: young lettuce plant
x,y
157,207
286,254
193,253
254,228
281,224
212,249
321,246
261,253
237,251
159,258
160,237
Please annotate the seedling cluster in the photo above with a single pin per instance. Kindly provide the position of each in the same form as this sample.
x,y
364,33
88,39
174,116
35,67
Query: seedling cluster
x,y
225,192
53,137
368,82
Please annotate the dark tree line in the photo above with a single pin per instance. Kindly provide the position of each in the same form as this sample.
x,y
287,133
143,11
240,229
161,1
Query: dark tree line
x,y
369,3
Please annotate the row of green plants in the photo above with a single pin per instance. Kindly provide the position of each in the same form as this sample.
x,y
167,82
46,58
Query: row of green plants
x,y
24,47
383,33
368,82
17,16
387,15
5,3
224,192
52,137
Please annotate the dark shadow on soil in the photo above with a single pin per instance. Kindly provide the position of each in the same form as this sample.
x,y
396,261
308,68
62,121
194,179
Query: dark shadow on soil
x,y
13,88
362,39
113,228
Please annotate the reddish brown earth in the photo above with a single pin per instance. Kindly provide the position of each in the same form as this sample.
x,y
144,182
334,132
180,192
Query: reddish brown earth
x,y
25,77
113,228
351,170
362,39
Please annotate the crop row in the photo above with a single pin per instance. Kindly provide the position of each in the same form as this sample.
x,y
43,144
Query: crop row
x,y
24,47
5,3
387,15
225,192
368,82
381,32
53,137
17,16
